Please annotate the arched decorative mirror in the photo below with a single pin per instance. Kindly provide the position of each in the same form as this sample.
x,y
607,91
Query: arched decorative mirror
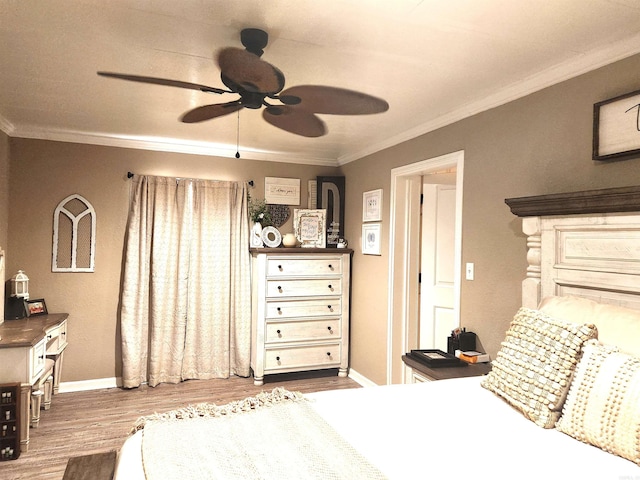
x,y
74,236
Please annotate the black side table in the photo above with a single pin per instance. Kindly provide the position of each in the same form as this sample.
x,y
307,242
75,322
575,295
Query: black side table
x,y
443,373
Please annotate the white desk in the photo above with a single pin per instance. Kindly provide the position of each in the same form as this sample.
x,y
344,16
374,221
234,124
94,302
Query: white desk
x,y
25,345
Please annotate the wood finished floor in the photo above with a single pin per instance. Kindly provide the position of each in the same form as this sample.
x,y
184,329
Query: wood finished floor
x,y
84,423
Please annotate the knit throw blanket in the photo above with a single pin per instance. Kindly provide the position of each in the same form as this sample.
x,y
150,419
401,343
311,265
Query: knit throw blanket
x,y
274,435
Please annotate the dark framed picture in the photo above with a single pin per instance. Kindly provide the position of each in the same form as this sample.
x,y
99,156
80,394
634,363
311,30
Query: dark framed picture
x,y
35,307
616,127
435,358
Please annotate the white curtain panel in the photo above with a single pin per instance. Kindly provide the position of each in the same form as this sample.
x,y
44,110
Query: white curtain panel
x,y
185,303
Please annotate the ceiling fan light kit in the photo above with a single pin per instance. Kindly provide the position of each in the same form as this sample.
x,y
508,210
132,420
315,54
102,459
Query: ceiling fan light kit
x,y
258,83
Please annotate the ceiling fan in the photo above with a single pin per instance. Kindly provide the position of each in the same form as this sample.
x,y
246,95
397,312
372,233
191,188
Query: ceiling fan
x,y
260,84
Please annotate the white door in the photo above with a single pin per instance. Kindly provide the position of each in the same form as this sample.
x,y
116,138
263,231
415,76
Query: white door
x,y
437,263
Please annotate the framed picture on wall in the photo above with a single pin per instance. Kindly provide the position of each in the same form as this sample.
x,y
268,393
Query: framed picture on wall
x,y
372,206
616,127
371,233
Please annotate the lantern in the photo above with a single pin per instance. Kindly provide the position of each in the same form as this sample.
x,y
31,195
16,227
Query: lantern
x,y
20,285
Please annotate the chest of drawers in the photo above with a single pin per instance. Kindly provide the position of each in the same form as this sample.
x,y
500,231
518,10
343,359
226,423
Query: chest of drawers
x,y
300,310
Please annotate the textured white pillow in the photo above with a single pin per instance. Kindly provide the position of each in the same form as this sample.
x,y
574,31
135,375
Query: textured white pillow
x,y
533,368
603,404
617,326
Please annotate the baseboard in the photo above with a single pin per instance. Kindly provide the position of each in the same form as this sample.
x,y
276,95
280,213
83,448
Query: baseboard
x,y
361,379
96,384
116,382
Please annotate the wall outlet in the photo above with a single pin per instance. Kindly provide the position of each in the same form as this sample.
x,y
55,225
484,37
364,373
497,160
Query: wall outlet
x,y
469,271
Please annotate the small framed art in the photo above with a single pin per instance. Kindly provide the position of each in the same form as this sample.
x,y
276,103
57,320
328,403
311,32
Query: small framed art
x,y
436,358
616,127
372,206
282,191
371,238
35,307
309,227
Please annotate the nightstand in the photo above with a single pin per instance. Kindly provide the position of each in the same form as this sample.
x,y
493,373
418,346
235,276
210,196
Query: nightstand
x,y
421,373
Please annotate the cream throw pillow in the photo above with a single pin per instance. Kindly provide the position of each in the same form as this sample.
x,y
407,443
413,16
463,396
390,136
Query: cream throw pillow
x,y
617,326
603,404
533,368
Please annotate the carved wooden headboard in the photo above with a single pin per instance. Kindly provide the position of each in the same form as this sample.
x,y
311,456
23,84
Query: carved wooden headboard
x,y
585,244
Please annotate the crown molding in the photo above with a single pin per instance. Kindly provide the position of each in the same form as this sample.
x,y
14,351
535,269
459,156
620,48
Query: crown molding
x,y
546,78
6,126
162,144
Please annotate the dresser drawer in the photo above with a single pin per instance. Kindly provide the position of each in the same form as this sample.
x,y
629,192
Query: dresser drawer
x,y
298,330
314,307
304,288
285,267
38,356
303,357
57,339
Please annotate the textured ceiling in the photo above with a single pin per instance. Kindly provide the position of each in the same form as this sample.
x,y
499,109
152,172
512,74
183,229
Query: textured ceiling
x,y
434,61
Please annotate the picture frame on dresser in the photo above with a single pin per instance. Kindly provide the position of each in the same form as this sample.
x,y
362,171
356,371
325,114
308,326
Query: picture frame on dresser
x,y
309,227
35,307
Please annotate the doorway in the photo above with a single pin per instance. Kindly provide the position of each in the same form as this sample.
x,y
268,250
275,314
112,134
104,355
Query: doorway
x,y
404,255
436,316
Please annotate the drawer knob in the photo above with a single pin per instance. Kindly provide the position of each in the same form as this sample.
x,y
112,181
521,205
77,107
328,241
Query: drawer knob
x,y
277,359
330,267
279,288
330,287
279,310
330,329
49,337
329,307
279,333
280,267
328,354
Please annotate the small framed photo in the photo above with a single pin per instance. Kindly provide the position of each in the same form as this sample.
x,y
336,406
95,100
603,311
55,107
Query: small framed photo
x,y
436,358
371,238
372,206
35,307
309,227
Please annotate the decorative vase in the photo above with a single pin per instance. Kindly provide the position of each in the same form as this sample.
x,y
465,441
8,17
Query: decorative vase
x,y
256,235
289,240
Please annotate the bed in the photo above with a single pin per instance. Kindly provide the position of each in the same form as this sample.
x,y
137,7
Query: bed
x,y
562,399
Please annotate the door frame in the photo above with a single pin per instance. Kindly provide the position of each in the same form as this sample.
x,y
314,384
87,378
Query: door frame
x,y
404,239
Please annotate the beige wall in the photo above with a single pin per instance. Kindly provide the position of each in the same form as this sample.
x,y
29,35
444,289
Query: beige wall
x,y
43,173
4,190
536,145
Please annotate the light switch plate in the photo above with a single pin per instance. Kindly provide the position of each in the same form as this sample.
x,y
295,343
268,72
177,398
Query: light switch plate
x,y
469,271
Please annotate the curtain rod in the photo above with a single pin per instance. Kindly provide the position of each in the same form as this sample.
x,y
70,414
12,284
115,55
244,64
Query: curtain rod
x,y
131,174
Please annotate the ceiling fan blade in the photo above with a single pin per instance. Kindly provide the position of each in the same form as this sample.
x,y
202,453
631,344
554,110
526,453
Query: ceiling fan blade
x,y
249,72
163,81
207,112
295,121
334,100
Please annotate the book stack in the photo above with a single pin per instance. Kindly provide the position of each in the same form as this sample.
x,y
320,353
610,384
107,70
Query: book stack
x,y
473,356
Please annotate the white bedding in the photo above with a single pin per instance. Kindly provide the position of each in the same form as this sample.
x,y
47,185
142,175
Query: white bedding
x,y
444,428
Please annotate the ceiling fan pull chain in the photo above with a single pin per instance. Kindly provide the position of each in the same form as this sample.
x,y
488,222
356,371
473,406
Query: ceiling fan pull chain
x,y
238,137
